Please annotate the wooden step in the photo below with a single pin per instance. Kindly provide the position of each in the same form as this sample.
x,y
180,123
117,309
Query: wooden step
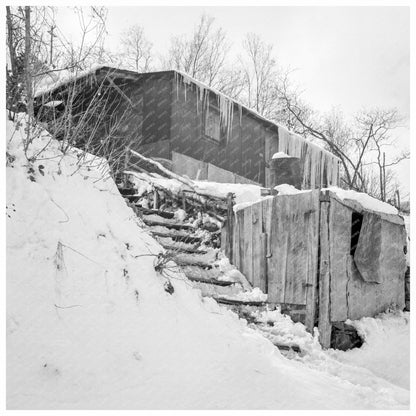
x,y
205,261
284,347
211,281
132,196
196,272
213,290
248,312
238,302
184,261
166,223
182,237
160,213
181,248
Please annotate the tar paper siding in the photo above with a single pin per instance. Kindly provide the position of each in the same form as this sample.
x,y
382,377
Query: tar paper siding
x,y
241,146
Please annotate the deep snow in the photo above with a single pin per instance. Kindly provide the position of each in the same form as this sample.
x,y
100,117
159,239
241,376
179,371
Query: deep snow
x,y
89,324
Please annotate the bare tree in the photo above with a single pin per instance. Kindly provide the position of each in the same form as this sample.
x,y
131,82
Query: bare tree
x,y
81,56
360,144
25,53
260,72
50,52
375,140
230,81
202,55
137,50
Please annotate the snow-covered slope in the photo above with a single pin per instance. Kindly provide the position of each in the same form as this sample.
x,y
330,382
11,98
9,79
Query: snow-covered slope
x,y
89,324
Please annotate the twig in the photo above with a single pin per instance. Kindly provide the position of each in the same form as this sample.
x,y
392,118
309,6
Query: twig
x,y
66,307
76,251
67,218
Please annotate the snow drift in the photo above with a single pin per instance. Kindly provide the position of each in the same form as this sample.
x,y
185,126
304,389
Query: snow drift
x,y
90,325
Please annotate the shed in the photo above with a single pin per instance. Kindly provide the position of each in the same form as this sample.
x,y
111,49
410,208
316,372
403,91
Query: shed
x,y
171,116
323,256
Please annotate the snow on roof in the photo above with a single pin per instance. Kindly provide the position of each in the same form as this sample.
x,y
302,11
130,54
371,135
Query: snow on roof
x,y
225,100
286,189
280,155
366,201
49,83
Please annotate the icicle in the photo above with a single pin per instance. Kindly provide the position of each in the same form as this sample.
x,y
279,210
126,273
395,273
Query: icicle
x,y
319,167
226,108
207,108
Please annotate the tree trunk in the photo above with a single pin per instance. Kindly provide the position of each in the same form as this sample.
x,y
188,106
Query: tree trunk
x,y
10,44
28,69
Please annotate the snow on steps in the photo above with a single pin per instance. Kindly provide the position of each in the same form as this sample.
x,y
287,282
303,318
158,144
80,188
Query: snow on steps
x,y
164,222
214,277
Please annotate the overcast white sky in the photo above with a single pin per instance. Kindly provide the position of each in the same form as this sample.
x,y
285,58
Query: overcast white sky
x,y
351,57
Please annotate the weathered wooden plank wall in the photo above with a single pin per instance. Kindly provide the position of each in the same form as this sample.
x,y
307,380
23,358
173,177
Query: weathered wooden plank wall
x,y
352,295
276,248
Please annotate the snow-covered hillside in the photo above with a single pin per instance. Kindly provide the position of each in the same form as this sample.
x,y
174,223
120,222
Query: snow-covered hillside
x,y
90,324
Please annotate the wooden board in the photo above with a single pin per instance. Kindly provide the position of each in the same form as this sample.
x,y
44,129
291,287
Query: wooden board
x,y
257,255
263,263
238,239
339,254
267,206
312,263
324,324
247,254
294,240
279,236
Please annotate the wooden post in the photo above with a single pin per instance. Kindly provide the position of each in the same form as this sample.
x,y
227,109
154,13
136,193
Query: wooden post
x,y
230,225
324,324
263,262
236,241
312,259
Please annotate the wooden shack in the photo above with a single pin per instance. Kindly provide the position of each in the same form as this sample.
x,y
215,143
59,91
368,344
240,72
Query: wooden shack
x,y
322,258
170,116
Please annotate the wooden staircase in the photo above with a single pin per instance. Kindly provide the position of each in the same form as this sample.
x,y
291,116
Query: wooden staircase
x,y
194,246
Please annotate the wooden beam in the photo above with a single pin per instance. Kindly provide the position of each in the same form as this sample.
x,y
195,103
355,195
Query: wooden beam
x,y
312,260
229,227
230,301
166,172
324,324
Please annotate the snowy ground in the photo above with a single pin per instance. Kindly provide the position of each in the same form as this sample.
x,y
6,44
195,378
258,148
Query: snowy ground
x,y
90,326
